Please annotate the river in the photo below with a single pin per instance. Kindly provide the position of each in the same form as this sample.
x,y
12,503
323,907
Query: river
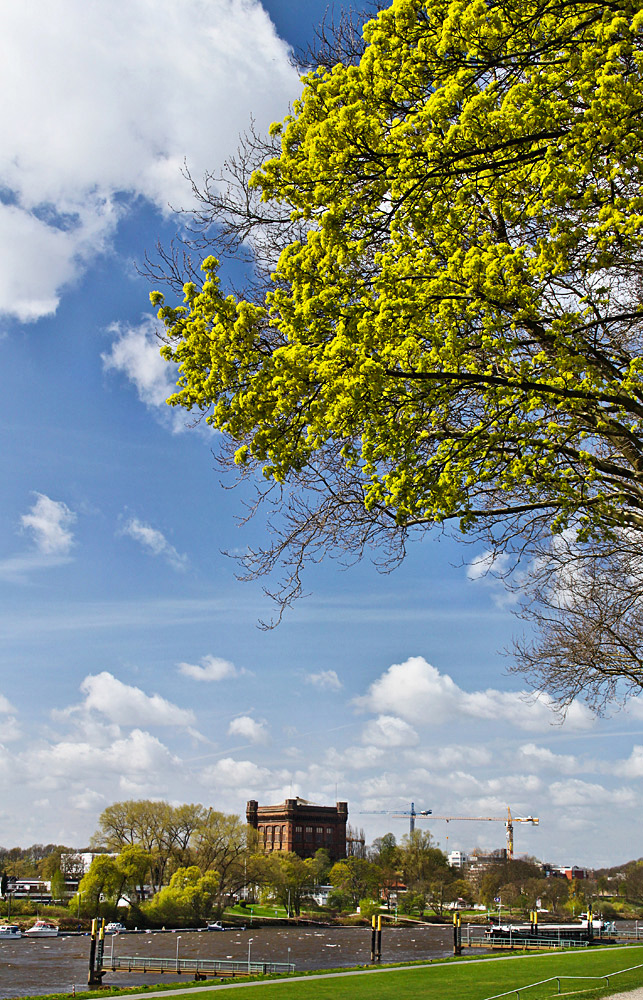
x,y
54,965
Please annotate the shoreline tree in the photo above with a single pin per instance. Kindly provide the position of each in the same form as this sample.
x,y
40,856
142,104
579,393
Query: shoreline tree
x,y
445,320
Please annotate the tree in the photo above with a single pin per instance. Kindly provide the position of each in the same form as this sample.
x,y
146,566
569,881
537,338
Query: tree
x,y
190,896
289,877
425,871
452,332
356,878
511,872
143,823
220,842
102,881
556,892
634,883
111,879
58,885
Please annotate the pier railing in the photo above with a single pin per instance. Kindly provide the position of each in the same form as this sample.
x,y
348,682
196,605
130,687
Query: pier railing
x,y
200,967
477,937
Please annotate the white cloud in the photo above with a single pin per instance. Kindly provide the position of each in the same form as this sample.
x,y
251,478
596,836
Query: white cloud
x,y
10,731
419,693
249,729
6,708
137,754
574,792
542,757
244,775
136,354
49,521
634,707
389,731
630,768
154,542
89,801
212,668
482,565
129,706
447,757
353,758
325,679
142,89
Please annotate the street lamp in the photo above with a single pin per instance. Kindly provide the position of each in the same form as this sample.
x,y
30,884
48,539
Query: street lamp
x,y
288,959
177,952
250,940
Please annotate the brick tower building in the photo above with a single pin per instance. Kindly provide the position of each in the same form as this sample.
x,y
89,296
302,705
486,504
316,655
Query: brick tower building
x,y
300,826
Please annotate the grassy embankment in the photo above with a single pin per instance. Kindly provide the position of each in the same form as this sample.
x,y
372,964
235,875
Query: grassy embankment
x,y
461,979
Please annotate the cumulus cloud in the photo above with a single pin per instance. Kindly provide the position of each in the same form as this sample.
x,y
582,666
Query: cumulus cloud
x,y
49,523
154,542
389,731
249,729
353,758
542,757
244,775
419,693
212,668
630,768
129,706
325,679
138,754
135,353
445,757
574,792
106,114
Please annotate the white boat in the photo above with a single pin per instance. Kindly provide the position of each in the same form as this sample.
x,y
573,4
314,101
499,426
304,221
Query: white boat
x,y
42,928
10,931
114,927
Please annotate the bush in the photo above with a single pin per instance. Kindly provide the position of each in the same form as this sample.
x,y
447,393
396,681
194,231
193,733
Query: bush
x,y
369,907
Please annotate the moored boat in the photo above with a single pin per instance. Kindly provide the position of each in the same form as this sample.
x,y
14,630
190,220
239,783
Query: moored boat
x,y
42,928
10,931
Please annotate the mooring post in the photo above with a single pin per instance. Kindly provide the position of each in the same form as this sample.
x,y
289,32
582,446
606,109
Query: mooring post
x,y
373,938
95,976
457,934
92,955
379,937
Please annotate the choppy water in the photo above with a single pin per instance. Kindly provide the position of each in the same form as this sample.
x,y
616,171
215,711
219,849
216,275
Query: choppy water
x,y
52,965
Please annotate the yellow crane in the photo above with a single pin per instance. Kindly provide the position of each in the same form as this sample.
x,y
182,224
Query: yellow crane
x,y
509,821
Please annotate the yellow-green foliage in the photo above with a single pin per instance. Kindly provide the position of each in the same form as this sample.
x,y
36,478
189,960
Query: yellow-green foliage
x,y
462,318
190,896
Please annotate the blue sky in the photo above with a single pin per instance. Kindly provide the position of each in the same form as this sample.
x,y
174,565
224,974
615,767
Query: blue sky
x,y
131,664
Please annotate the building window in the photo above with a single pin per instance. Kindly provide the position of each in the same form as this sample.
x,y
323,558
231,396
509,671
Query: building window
x,y
329,831
309,829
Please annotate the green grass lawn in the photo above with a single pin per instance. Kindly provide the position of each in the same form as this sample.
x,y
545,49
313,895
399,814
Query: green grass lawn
x,y
466,980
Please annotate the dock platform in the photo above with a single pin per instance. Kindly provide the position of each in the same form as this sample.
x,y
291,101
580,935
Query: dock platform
x,y
199,968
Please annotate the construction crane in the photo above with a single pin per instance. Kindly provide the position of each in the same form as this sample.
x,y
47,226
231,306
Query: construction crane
x,y
508,821
411,813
